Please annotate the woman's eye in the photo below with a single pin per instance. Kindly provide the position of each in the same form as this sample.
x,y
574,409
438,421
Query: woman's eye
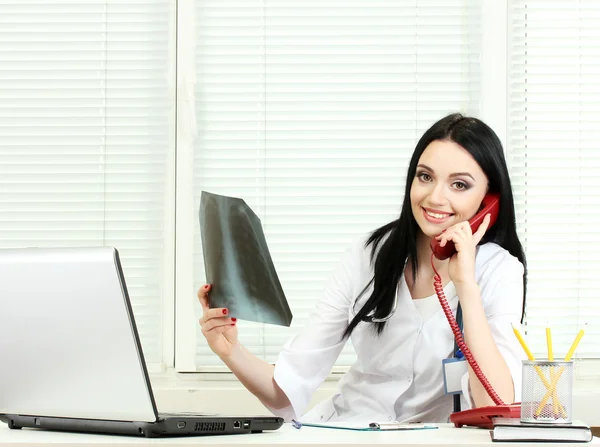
x,y
461,186
424,176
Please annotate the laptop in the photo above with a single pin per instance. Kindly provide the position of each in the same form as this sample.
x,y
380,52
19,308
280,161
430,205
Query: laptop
x,y
70,353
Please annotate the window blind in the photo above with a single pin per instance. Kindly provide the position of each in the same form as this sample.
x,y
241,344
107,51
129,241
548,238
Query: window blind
x,y
309,110
554,122
84,135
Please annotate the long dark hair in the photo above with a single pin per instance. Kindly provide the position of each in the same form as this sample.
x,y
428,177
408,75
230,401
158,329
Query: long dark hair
x,y
401,245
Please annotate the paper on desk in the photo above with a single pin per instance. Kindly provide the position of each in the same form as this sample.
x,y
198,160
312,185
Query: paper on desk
x,y
237,262
373,426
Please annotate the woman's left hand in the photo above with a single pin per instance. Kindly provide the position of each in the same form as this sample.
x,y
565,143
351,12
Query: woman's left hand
x,y
461,268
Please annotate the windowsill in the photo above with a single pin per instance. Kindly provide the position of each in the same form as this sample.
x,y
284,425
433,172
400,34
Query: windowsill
x,y
221,392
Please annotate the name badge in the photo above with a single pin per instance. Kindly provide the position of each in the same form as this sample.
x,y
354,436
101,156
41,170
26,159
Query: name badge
x,y
453,370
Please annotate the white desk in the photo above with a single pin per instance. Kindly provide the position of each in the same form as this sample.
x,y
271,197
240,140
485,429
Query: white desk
x,y
286,436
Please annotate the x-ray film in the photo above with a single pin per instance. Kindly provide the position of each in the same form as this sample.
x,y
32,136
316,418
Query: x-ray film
x,y
237,262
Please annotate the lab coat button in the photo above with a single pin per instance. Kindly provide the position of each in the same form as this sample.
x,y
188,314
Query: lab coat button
x,y
389,418
409,379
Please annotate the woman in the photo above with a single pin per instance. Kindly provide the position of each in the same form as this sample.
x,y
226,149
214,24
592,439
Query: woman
x,y
398,372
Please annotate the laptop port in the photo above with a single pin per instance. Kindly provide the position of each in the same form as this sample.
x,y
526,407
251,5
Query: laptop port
x,y
247,425
237,424
181,424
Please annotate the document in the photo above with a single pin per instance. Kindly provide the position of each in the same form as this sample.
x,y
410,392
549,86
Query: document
x,y
238,263
372,426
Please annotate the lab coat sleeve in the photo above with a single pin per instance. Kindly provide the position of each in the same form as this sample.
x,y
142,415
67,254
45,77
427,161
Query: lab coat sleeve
x,y
306,360
502,296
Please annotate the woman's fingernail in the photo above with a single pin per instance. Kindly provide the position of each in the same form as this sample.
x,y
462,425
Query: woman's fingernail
x,y
234,319
225,311
207,286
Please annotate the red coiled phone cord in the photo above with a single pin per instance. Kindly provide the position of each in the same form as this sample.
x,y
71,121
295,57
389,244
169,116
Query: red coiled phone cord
x,y
439,290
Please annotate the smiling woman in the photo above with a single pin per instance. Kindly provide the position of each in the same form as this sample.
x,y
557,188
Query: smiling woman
x,y
398,373
440,196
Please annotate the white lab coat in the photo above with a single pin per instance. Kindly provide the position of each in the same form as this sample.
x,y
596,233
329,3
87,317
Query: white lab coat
x,y
398,375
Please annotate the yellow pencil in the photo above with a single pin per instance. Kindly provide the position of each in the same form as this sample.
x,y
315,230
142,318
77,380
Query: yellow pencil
x,y
552,392
523,344
549,344
530,356
553,376
550,387
575,343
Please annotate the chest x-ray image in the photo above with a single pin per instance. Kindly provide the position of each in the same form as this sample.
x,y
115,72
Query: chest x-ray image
x,y
237,262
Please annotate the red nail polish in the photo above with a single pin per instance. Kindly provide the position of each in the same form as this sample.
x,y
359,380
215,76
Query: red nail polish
x,y
224,311
234,319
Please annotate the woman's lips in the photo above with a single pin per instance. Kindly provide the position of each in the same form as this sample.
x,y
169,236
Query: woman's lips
x,y
436,219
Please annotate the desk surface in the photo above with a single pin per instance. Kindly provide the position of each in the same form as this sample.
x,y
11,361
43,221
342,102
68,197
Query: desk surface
x,y
286,436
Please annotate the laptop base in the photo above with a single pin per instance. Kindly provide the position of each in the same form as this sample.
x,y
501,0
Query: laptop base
x,y
171,426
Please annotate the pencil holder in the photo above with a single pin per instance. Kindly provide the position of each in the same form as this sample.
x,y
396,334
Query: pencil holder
x,y
547,393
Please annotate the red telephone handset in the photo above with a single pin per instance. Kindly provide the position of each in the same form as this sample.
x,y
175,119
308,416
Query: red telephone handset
x,y
482,416
489,205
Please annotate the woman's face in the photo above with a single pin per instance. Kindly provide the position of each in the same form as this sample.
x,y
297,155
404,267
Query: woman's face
x,y
448,187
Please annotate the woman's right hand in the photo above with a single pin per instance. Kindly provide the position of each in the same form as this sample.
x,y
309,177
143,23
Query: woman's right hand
x,y
219,330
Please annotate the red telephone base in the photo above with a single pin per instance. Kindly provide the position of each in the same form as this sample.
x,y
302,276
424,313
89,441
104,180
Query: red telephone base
x,y
482,417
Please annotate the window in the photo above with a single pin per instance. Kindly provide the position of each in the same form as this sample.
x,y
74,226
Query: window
x,y
86,136
310,110
554,128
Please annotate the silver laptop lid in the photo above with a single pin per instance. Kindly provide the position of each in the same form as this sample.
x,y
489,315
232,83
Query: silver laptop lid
x,y
68,341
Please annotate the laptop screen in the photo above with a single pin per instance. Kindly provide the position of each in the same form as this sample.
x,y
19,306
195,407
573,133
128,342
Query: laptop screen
x,y
68,340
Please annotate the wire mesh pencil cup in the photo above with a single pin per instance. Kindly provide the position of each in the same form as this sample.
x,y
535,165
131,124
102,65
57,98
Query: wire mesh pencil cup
x,y
547,393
